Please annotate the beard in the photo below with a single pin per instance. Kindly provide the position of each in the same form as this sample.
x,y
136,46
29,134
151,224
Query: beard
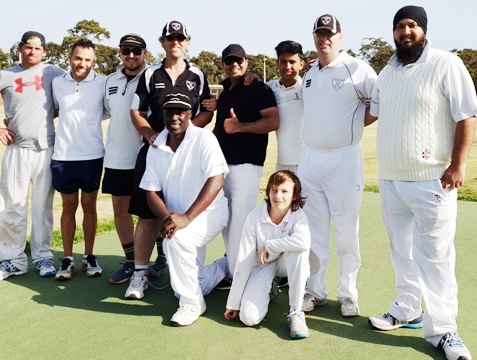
x,y
408,54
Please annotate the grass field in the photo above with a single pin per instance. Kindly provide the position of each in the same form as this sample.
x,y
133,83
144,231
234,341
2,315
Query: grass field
x,y
86,318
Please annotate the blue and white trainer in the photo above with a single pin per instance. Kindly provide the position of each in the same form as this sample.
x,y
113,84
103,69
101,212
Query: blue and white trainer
x,y
388,322
46,267
7,269
297,325
454,347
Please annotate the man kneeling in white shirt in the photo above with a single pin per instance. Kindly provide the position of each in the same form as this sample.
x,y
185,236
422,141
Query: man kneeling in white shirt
x,y
275,242
185,172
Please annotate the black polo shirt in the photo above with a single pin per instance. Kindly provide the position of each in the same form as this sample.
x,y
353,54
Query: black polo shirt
x,y
247,102
155,84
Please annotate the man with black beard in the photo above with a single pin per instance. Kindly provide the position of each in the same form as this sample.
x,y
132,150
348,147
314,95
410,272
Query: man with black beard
x,y
426,104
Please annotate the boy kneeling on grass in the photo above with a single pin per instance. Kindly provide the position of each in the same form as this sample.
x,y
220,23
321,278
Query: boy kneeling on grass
x,y
275,242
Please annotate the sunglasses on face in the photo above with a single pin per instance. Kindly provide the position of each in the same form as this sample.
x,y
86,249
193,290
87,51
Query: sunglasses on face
x,y
232,59
135,51
324,34
179,38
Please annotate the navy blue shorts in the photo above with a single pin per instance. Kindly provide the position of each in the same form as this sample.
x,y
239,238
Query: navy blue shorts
x,y
117,182
70,176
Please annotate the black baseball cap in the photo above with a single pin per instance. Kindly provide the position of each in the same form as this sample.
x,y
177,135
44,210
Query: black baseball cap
x,y
234,50
133,40
174,27
177,101
327,22
27,38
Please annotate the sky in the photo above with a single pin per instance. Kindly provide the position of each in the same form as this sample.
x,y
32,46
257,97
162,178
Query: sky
x,y
257,25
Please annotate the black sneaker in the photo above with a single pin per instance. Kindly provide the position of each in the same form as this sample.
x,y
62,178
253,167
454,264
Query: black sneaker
x,y
122,275
283,282
157,267
225,284
274,292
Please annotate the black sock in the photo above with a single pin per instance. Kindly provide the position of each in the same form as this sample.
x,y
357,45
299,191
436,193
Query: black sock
x,y
129,251
160,251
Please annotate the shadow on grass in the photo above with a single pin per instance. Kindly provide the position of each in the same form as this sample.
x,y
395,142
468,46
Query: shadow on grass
x,y
97,295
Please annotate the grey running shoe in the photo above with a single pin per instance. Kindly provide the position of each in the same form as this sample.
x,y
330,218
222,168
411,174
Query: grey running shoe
x,y
123,274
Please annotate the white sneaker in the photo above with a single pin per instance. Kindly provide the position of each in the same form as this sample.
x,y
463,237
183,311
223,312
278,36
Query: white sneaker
x,y
66,270
454,348
309,302
137,285
91,266
46,267
349,307
297,325
389,322
187,315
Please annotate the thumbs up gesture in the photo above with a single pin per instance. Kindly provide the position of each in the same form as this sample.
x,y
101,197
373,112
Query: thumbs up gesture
x,y
232,124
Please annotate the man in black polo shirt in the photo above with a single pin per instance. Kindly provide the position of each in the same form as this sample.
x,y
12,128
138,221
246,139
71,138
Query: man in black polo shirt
x,y
245,116
173,75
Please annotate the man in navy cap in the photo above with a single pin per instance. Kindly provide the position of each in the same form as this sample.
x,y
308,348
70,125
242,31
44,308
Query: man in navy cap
x,y
245,116
426,104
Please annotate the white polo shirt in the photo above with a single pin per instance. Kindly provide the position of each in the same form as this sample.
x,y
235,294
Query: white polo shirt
x,y
122,139
290,109
335,98
181,175
79,135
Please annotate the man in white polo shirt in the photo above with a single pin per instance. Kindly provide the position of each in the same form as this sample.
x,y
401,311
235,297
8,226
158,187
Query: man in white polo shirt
x,y
336,91
190,213
78,152
122,144
427,106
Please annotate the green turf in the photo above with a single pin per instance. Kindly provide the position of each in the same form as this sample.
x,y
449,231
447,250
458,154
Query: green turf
x,y
86,318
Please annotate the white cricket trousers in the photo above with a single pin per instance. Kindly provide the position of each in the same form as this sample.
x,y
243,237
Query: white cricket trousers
x,y
241,188
333,183
21,166
420,218
255,299
185,254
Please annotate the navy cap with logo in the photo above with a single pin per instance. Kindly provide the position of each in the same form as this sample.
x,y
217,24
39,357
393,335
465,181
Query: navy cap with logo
x,y
133,40
174,27
27,38
234,50
177,101
327,22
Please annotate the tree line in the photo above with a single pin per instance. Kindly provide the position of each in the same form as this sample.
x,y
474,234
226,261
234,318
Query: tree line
x,y
375,51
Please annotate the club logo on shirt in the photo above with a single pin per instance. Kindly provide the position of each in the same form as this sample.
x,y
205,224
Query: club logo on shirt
x,y
426,154
297,96
190,85
338,83
308,83
21,84
438,199
113,90
160,85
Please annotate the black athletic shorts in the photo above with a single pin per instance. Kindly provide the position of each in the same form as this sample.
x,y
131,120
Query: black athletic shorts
x,y
117,182
138,204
